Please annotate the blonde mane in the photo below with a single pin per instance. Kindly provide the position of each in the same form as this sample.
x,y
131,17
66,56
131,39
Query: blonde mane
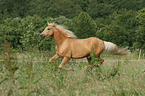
x,y
68,33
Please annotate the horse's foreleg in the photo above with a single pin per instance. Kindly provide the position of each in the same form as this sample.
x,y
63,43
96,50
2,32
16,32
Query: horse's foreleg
x,y
65,60
54,57
50,60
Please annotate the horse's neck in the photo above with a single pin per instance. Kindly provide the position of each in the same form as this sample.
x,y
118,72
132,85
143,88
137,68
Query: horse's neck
x,y
58,37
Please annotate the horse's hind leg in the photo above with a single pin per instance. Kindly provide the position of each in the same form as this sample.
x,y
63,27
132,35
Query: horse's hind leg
x,y
89,62
98,56
101,61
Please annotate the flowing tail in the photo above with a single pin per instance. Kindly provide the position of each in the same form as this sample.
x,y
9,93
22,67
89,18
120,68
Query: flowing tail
x,y
113,49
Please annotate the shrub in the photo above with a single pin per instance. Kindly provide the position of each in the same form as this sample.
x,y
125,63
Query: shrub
x,y
121,29
31,28
140,32
10,29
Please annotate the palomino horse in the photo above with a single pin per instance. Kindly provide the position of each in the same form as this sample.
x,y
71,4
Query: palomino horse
x,y
68,46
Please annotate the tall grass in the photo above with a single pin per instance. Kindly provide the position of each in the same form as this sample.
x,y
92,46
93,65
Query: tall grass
x,y
112,78
10,67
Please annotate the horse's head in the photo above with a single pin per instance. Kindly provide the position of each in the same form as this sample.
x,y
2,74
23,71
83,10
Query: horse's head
x,y
48,31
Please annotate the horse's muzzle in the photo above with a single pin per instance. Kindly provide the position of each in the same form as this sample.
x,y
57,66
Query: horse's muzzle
x,y
42,36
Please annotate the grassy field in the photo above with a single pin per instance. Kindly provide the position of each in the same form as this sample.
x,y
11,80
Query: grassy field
x,y
29,74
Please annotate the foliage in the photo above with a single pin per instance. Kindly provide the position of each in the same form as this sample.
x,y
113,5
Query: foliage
x,y
14,8
83,26
55,8
96,9
45,44
129,4
31,27
112,33
140,32
10,29
61,20
122,26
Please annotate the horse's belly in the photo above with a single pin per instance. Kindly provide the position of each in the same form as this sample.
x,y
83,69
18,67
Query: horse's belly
x,y
80,55
81,51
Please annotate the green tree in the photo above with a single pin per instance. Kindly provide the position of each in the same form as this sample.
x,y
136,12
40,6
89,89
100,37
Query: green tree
x,y
83,4
104,8
55,8
83,26
67,8
113,33
14,8
64,8
10,29
60,20
96,9
40,8
127,4
121,29
140,32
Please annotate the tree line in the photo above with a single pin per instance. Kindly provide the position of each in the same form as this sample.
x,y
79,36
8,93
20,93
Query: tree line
x,y
119,21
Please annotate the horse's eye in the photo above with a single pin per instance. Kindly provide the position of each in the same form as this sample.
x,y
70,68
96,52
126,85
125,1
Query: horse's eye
x,y
48,29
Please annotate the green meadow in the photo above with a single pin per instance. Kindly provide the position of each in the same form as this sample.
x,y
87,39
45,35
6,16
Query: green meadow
x,y
30,74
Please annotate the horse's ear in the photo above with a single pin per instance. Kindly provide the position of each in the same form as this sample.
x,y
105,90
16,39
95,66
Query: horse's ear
x,y
53,23
47,22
